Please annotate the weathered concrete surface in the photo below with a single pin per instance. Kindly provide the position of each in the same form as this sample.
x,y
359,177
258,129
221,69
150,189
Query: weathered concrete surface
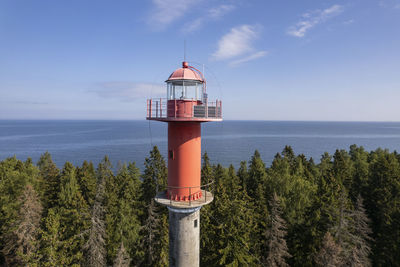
x,y
184,238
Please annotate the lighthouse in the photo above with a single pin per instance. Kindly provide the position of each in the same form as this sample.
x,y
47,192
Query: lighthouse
x,y
184,109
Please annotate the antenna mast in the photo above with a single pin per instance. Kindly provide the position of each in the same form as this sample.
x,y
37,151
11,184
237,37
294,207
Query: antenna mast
x,y
184,50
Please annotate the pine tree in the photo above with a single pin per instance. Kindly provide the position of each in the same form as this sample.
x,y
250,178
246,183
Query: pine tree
x,y
21,243
51,180
329,254
275,236
94,248
122,259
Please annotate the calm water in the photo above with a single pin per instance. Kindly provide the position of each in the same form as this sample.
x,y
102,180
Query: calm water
x,y
227,143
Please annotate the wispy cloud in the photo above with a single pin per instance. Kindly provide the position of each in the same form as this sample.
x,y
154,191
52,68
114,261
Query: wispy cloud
x,y
253,56
395,4
165,12
347,22
313,18
127,91
214,13
239,42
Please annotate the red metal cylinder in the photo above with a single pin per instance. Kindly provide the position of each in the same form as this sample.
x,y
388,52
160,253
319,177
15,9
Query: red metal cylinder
x,y
184,160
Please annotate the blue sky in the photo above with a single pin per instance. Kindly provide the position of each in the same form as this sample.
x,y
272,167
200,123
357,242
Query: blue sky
x,y
266,60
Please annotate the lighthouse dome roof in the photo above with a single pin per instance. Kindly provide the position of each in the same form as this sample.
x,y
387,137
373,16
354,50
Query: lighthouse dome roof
x,y
185,73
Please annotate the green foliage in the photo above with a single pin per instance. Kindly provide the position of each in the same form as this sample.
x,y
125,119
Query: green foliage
x,y
51,180
154,219
98,218
74,215
87,181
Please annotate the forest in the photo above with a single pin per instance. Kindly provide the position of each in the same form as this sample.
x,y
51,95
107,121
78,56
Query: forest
x,y
342,211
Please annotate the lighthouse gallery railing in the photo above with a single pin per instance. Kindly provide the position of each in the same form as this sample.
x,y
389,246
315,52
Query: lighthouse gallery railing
x,y
157,108
206,188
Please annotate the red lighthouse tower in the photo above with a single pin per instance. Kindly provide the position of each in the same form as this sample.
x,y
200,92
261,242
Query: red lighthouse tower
x,y
184,109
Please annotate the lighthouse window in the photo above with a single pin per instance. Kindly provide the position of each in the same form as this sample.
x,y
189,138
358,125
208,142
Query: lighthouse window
x,y
171,154
195,223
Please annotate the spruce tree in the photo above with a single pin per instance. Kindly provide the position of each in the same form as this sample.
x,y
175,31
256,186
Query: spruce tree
x,y
321,215
243,175
51,179
124,221
329,254
14,177
359,158
256,190
383,205
155,175
154,217
122,259
275,235
94,248
22,241
155,237
228,235
74,215
206,170
87,181
51,249
361,249
257,176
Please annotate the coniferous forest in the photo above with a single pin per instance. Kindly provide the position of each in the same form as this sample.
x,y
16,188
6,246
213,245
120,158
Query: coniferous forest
x,y
342,211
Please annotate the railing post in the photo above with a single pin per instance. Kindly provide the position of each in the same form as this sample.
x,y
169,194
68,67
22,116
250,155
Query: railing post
x,y
150,111
190,196
160,108
156,109
206,109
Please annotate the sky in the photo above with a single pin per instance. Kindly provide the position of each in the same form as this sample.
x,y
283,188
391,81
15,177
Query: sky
x,y
265,59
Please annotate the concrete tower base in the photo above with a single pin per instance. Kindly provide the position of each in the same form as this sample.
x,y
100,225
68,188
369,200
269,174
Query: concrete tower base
x,y
184,237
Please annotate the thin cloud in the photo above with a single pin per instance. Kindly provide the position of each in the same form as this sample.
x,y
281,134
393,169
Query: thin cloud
x,y
128,91
395,4
237,42
165,12
347,22
218,12
311,19
215,13
256,55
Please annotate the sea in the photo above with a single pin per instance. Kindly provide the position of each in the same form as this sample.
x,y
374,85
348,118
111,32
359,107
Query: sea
x,y
227,142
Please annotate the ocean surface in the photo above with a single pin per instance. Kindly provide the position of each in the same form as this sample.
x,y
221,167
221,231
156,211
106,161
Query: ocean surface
x,y
227,142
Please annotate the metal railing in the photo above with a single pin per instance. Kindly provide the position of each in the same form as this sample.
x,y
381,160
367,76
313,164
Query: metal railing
x,y
202,188
161,108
